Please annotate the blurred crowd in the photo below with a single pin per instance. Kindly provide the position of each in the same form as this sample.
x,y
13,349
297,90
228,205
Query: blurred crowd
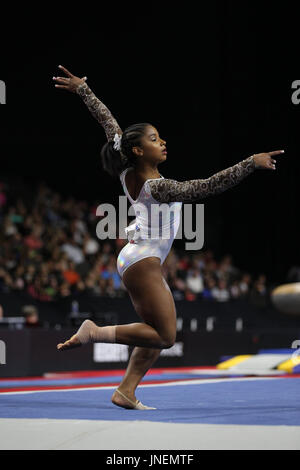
x,y
49,249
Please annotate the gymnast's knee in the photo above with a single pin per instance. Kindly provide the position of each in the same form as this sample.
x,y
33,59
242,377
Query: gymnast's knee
x,y
168,341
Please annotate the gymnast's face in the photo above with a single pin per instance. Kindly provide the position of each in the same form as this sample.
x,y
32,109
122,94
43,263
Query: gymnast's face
x,y
152,148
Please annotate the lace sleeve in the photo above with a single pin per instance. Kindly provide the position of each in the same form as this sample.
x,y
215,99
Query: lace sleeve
x,y
166,190
99,111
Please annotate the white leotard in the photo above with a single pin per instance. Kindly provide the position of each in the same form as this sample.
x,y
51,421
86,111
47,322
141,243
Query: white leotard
x,y
154,229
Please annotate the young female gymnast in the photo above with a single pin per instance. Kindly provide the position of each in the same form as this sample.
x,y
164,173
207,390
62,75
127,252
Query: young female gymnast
x,y
134,155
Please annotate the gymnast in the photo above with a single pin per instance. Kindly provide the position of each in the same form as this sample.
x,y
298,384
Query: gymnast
x,y
133,155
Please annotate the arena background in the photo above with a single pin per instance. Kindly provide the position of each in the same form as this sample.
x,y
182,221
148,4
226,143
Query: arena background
x,y
216,78
217,91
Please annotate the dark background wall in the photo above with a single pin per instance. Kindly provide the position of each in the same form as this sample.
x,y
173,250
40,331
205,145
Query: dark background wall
x,y
33,352
215,80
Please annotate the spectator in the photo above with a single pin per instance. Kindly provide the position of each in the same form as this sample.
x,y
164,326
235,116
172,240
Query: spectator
x,y
19,283
79,230
30,272
244,284
226,270
184,263
234,290
194,281
102,285
210,268
31,315
6,282
9,227
110,272
198,261
106,253
52,288
90,245
262,279
210,285
73,251
110,287
177,286
258,292
70,274
220,291
33,240
38,289
64,289
190,295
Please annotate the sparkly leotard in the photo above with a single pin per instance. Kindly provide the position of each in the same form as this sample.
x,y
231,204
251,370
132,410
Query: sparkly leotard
x,y
154,229
159,202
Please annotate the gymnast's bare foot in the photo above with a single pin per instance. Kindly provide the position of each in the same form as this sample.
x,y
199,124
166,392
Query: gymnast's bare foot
x,y
71,343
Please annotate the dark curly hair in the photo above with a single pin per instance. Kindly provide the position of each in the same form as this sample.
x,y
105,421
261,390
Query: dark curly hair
x,y
114,161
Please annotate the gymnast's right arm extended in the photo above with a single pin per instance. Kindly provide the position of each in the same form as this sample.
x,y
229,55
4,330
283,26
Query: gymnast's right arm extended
x,y
167,190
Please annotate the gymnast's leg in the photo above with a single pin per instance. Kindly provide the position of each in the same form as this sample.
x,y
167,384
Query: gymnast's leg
x,y
153,303
140,362
158,309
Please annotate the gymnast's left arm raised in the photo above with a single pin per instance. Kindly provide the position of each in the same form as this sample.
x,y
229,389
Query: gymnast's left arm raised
x,y
98,109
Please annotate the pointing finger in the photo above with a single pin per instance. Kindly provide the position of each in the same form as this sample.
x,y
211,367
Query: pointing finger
x,y
276,152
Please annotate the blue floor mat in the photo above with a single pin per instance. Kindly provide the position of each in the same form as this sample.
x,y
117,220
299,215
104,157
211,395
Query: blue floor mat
x,y
256,402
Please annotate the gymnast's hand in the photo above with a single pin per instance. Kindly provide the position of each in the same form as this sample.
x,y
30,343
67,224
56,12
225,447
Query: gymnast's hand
x,y
265,160
69,83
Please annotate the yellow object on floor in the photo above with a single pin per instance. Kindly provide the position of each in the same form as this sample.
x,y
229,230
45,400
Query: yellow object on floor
x,y
233,361
289,365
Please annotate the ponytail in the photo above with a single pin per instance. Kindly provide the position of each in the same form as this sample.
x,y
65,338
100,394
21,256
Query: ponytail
x,y
111,160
